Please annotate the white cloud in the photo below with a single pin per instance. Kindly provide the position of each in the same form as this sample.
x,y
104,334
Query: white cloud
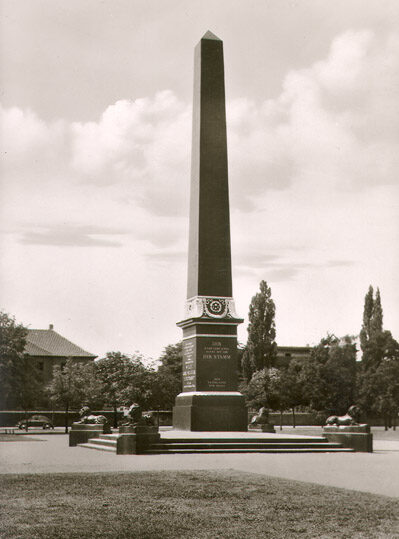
x,y
142,145
335,124
313,199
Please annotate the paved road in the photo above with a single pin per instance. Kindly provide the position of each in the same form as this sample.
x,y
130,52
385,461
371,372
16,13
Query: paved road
x,y
376,472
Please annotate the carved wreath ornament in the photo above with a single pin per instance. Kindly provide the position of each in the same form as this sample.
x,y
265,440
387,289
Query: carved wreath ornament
x,y
210,307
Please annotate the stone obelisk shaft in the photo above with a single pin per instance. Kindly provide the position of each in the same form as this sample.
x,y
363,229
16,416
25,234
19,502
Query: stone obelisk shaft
x,y
209,400
209,266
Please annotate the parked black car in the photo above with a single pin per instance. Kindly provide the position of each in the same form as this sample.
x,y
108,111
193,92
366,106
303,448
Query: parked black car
x,y
36,421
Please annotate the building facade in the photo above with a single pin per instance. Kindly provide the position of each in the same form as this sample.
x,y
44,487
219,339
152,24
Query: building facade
x,y
48,348
285,354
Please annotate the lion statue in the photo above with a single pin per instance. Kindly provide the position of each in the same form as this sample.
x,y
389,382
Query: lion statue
x,y
87,418
350,418
134,416
261,418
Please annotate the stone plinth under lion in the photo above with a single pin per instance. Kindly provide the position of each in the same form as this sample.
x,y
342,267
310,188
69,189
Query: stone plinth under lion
x,y
347,431
89,426
137,432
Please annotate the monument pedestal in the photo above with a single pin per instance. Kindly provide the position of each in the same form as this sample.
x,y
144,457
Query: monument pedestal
x,y
210,411
210,400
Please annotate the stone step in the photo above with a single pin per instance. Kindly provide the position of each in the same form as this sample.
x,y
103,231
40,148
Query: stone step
x,y
108,442
99,447
243,445
109,436
287,440
101,440
153,451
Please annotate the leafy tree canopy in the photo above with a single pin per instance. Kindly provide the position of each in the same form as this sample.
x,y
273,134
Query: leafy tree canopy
x,y
171,360
66,388
168,379
379,386
264,389
329,375
19,378
372,340
125,379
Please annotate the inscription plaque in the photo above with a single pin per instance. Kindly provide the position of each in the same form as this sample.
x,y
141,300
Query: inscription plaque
x,y
209,364
189,365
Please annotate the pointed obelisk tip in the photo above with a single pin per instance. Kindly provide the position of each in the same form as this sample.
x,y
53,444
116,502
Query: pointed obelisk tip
x,y
209,35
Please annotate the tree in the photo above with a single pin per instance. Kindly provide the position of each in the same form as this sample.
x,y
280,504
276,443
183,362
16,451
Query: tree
x,y
67,387
264,389
378,378
19,378
367,316
167,381
292,386
379,386
12,344
371,334
377,316
125,380
171,360
29,390
247,369
89,386
261,350
328,376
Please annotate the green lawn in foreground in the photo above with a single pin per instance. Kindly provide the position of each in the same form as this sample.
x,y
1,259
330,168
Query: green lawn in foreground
x,y
193,505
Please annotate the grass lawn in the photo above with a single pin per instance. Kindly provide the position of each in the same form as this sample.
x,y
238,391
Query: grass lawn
x,y
191,505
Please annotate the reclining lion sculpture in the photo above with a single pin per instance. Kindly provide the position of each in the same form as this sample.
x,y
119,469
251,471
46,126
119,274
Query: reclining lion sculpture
x,y
350,418
87,418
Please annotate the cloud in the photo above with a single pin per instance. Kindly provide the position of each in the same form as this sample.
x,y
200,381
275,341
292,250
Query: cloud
x,y
141,145
313,203
333,129
170,257
72,236
284,267
335,124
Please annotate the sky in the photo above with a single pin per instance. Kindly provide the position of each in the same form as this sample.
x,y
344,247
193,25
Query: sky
x,y
95,114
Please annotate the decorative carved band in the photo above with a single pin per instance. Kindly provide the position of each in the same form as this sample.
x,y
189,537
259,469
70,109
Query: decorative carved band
x,y
210,307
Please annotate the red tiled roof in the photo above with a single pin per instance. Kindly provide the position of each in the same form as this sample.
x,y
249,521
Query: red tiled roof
x,y
47,342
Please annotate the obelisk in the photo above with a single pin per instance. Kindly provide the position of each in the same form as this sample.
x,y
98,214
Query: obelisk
x,y
209,400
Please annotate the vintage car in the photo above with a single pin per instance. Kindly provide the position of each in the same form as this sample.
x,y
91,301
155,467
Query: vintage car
x,y
35,421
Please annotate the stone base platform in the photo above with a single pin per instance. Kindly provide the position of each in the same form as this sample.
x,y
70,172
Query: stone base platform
x,y
356,437
180,441
80,433
210,411
131,440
